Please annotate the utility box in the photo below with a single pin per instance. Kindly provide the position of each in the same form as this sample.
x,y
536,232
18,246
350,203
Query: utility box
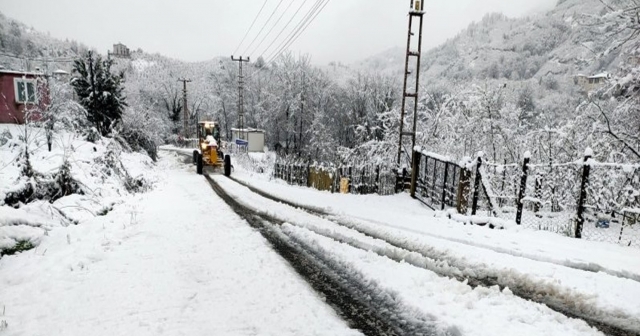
x,y
252,138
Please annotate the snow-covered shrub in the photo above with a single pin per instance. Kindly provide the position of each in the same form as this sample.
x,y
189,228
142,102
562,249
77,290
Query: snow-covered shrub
x,y
5,136
37,186
112,166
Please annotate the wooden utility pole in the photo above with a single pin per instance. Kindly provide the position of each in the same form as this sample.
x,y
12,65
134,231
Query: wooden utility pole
x,y
185,108
240,94
416,13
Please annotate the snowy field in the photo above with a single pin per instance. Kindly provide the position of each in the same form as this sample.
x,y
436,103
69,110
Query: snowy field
x,y
174,261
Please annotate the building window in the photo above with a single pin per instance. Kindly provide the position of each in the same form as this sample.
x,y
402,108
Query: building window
x,y
590,80
25,91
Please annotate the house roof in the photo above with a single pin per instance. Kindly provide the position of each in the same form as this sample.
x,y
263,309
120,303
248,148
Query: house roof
x,y
247,130
60,72
23,73
600,75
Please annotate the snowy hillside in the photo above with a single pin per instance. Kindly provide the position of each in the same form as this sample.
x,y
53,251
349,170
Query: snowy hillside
x,y
74,182
23,48
558,43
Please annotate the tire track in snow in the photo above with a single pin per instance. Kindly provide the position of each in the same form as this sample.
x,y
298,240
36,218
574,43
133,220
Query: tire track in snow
x,y
580,266
364,305
555,297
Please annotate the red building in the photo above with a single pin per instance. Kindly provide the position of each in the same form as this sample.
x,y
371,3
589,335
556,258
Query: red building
x,y
19,92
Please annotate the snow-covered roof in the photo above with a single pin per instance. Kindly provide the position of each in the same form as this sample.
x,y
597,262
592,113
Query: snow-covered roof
x,y
247,130
25,73
600,75
60,72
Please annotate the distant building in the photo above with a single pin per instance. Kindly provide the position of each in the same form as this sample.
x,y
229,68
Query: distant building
x,y
633,60
22,91
120,50
590,83
254,137
60,74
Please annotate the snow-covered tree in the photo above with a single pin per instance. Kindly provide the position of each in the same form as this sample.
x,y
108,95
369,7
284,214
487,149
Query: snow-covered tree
x,y
99,90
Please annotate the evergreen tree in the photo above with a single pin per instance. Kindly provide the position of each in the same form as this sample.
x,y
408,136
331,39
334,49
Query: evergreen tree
x,y
99,90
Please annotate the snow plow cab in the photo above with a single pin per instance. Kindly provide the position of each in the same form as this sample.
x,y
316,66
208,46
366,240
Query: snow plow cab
x,y
209,153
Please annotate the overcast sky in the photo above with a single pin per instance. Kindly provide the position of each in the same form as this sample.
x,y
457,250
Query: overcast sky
x,y
196,30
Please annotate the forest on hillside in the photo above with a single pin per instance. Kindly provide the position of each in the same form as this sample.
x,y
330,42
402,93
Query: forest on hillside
x,y
502,86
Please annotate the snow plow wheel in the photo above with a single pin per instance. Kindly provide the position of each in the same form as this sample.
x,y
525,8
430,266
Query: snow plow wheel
x,y
199,164
195,157
227,165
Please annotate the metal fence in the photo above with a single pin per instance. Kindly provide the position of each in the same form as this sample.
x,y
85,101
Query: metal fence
x,y
362,178
583,199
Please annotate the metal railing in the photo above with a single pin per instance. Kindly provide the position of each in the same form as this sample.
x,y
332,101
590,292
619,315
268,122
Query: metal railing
x,y
583,199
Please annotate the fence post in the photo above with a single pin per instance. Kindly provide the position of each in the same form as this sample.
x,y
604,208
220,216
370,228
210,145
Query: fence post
x,y
363,185
432,195
586,168
464,185
538,193
504,180
523,186
476,185
444,184
309,184
414,172
377,187
350,180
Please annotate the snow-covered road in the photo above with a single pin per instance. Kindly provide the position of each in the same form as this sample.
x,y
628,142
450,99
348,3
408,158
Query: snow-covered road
x,y
175,261
559,281
180,260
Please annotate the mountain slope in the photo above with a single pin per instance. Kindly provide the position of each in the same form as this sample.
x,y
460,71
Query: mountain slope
x,y
23,48
555,43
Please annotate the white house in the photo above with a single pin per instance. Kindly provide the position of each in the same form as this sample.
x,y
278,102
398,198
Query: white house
x,y
589,83
254,138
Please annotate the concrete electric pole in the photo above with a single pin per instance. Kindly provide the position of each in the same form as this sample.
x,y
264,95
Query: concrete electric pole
x,y
240,94
185,108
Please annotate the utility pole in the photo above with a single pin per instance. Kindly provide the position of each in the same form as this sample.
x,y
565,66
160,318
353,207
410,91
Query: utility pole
x,y
416,13
240,94
185,107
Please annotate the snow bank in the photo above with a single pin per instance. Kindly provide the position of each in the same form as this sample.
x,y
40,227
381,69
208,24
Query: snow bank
x,y
103,172
159,264
594,278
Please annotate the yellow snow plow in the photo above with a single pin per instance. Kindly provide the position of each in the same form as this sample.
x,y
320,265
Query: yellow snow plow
x,y
209,153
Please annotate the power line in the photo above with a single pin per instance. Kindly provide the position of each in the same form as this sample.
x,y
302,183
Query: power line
x,y
285,27
296,29
262,29
58,60
248,30
300,31
298,26
272,27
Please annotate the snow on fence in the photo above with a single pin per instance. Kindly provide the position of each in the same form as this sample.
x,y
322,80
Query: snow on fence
x,y
363,178
583,199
